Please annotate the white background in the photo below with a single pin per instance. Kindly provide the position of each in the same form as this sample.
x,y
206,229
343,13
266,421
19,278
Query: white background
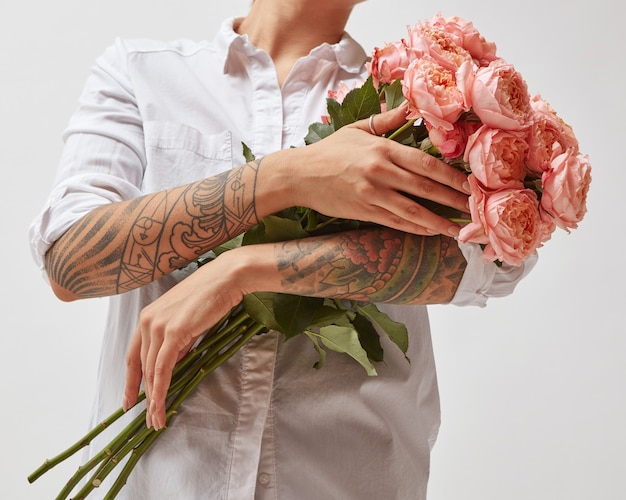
x,y
532,387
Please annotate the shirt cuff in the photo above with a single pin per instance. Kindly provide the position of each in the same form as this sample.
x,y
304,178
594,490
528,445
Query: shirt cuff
x,y
483,280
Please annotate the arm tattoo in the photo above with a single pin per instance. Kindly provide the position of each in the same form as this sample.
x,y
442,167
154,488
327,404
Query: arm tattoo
x,y
160,232
379,265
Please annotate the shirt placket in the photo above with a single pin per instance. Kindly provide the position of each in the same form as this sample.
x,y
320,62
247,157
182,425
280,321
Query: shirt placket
x,y
259,355
257,370
267,104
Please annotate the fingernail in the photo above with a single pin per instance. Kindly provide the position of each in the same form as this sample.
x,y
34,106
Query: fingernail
x,y
466,187
125,404
156,421
454,230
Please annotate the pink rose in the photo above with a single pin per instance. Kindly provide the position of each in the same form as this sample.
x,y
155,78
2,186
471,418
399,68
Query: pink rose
x,y
497,157
466,36
500,96
506,221
340,93
389,63
432,93
547,130
451,143
433,41
547,226
565,188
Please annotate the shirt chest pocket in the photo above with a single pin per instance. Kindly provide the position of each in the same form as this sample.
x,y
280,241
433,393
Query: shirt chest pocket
x,y
178,154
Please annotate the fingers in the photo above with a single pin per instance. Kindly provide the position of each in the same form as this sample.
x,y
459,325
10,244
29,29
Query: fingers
x,y
133,371
420,175
169,327
414,159
384,122
412,212
421,163
407,215
163,368
149,350
158,359
150,359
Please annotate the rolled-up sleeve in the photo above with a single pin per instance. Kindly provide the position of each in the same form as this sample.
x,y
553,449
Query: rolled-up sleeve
x,y
483,280
103,156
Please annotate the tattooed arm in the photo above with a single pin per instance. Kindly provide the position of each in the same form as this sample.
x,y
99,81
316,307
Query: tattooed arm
x,y
125,245
122,246
379,264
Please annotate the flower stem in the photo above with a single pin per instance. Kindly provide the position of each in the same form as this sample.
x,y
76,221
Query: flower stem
x,y
321,225
219,344
107,467
210,338
130,465
81,443
404,127
245,333
109,450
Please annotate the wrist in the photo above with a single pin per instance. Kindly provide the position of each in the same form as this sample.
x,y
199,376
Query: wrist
x,y
251,268
278,180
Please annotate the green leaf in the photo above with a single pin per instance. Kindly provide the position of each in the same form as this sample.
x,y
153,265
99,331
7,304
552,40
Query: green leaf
x,y
273,228
360,103
260,306
318,131
294,313
397,332
254,235
247,153
346,340
288,314
393,94
319,364
281,229
328,315
229,245
369,338
335,112
407,138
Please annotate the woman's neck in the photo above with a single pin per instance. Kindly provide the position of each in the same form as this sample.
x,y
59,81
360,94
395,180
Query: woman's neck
x,y
289,30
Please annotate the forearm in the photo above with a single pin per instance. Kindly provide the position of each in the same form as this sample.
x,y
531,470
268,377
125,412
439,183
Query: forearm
x,y
126,245
377,265
122,246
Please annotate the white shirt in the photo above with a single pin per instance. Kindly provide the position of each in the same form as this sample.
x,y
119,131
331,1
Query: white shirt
x,y
266,425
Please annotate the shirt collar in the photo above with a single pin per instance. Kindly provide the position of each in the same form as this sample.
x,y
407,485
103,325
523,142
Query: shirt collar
x,y
348,54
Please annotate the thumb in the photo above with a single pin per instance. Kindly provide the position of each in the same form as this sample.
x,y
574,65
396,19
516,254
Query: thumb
x,y
386,121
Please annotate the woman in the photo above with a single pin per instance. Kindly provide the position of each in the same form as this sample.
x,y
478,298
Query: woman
x,y
153,175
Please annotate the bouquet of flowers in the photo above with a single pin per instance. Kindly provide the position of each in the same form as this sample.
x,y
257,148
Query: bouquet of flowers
x,y
467,107
525,169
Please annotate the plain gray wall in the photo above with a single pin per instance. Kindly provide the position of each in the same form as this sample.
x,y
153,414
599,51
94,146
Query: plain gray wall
x,y
532,386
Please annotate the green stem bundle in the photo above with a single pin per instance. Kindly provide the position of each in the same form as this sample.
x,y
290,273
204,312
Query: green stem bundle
x,y
219,344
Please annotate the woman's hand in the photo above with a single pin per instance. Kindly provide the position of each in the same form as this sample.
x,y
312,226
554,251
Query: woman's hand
x,y
355,174
169,327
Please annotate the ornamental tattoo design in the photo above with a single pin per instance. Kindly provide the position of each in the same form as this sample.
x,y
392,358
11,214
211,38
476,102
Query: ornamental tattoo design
x,y
378,265
165,231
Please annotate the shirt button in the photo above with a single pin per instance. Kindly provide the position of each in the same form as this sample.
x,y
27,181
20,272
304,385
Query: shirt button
x,y
264,479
